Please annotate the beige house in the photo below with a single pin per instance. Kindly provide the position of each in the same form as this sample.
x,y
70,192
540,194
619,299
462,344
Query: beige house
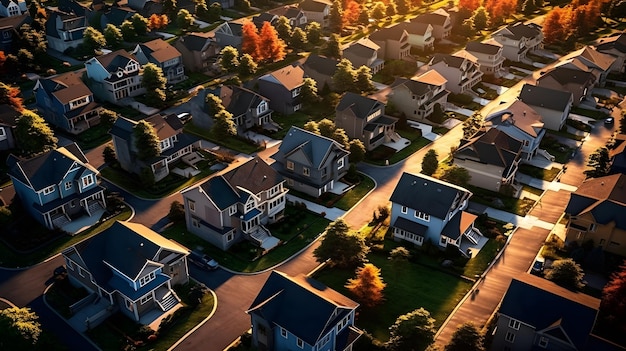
x,y
616,47
317,11
199,50
590,60
439,20
489,55
519,39
420,35
596,212
364,52
393,42
553,105
416,97
462,73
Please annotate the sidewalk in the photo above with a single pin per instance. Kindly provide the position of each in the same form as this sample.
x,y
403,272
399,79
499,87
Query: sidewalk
x,y
330,213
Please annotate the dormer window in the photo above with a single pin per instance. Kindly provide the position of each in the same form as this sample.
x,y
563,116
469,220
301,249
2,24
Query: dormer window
x,y
232,210
262,107
132,66
79,102
88,180
68,185
295,92
147,278
249,205
48,190
165,144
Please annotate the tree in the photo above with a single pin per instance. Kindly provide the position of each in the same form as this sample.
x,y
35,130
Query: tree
x,y
154,82
343,79
169,6
184,19
113,36
357,151
363,80
364,16
213,104
25,58
618,10
469,6
229,60
336,17
283,28
528,7
108,154
33,134
332,48
456,175
10,95
312,127
351,13
177,212
466,337
298,39
567,273
600,163
32,40
140,23
247,66
326,127
128,31
391,9
404,6
340,136
223,125
20,328
472,125
367,286
308,91
93,40
146,140
553,25
430,162
156,21
313,32
412,332
202,10
613,303
272,47
480,18
250,41
379,10
108,117
342,248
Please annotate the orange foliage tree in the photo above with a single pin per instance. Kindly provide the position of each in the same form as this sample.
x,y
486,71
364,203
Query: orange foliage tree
x,y
351,13
368,285
10,95
272,47
555,25
499,10
156,21
250,41
469,5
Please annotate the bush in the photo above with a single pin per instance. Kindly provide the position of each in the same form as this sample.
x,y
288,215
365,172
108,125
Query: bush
x,y
177,212
5,216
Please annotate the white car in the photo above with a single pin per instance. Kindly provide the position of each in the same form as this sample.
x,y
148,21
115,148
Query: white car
x,y
184,117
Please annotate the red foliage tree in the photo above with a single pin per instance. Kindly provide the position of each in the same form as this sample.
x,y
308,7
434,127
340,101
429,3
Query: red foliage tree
x,y
555,25
250,40
272,48
3,59
469,5
613,305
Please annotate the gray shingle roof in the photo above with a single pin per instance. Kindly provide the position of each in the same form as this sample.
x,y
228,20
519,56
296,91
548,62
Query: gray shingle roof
x,y
220,192
564,75
255,175
238,100
322,64
394,32
493,147
317,148
362,106
545,97
604,198
485,48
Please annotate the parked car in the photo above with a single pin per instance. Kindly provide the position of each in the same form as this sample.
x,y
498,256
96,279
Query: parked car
x,y
203,261
184,117
538,265
609,120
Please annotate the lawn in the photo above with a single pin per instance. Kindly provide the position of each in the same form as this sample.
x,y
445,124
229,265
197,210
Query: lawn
x,y
344,201
297,119
540,173
561,152
383,154
94,137
565,135
234,143
514,205
595,114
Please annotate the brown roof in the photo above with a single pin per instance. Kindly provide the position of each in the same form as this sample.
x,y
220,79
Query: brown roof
x,y
105,60
432,77
74,86
603,61
162,128
161,50
611,188
518,113
255,175
290,77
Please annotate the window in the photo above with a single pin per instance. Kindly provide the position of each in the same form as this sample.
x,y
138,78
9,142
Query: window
x,y
342,323
147,278
404,210
283,332
290,165
300,343
514,324
145,299
510,337
232,210
443,241
295,92
2,133
230,237
306,171
69,264
592,227
195,223
165,144
423,216
192,205
87,180
543,342
48,190
261,108
290,182
68,185
340,163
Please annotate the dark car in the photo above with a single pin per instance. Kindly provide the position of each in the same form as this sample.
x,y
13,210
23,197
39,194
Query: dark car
x,y
538,266
203,261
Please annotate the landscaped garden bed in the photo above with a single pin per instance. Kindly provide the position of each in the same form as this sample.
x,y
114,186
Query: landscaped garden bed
x,y
540,173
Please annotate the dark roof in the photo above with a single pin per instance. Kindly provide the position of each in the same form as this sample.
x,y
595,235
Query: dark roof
x,y
238,100
415,28
302,305
604,198
316,148
322,64
116,59
15,22
520,30
433,18
450,60
394,32
485,48
117,15
363,47
550,308
617,42
410,226
361,106
197,41
314,5
545,97
220,192
426,194
8,115
564,75
493,147
458,224
255,175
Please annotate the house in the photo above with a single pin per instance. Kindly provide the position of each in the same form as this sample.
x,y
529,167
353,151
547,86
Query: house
x,y
579,83
416,97
439,20
364,52
8,122
164,56
491,158
462,73
321,69
553,105
310,163
420,35
596,211
199,51
615,46
489,55
427,209
235,206
146,8
66,102
520,122
116,15
282,88
263,17
57,186
114,76
173,144
128,268
229,33
10,28
537,314
12,8
393,42
295,15
590,60
226,4
617,154
248,108
518,40
317,11
364,118
65,30
293,313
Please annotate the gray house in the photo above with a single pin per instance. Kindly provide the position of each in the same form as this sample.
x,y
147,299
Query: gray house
x,y
199,51
282,88
321,69
8,122
553,105
229,33
164,56
249,109
311,163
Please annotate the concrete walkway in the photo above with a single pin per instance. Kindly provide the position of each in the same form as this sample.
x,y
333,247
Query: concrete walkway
x,y
330,213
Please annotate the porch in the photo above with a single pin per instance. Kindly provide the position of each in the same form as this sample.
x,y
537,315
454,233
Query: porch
x,y
263,238
472,242
90,312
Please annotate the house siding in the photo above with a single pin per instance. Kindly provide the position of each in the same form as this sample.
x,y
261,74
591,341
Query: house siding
x,y
523,337
554,120
9,141
606,236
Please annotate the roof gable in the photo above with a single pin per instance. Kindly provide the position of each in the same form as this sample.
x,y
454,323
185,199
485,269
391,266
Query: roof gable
x,y
551,99
305,147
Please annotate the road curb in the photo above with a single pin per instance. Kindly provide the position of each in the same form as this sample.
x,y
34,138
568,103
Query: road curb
x,y
179,341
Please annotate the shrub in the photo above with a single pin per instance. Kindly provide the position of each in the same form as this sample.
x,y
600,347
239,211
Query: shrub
x,y
177,212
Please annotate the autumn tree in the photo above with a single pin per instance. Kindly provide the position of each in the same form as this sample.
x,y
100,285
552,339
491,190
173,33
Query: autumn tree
x,y
469,6
343,79
156,21
333,48
430,162
466,337
336,17
140,23
33,133
154,81
357,151
553,28
379,10
184,19
93,40
113,36
391,9
10,95
223,125
33,40
404,6
272,47
566,273
313,32
146,140
367,286
247,66
413,331
202,10
351,13
613,303
456,175
312,127
283,28
339,135
340,247
250,41
20,329
229,59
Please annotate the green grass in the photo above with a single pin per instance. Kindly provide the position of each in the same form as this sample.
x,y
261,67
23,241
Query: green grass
x,y
297,119
540,173
595,114
125,111
381,154
94,137
344,201
477,265
514,205
532,190
565,135
234,143
561,152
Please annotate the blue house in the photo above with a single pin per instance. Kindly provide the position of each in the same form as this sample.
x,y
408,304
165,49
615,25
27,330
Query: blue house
x,y
425,208
300,313
66,102
57,186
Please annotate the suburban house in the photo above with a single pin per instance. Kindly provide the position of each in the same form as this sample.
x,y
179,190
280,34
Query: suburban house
x,y
321,69
310,163
579,83
420,35
491,158
295,15
8,122
116,15
590,60
173,144
10,28
596,210
617,154
427,209
553,105
416,97
393,42
439,20
65,30
164,56
537,314
249,109
520,122
263,17
115,76
489,55
300,313
146,7
57,186
66,102
364,118
615,46
235,206
317,11
462,73
518,40
364,52
282,88
128,268
12,8
199,51
229,33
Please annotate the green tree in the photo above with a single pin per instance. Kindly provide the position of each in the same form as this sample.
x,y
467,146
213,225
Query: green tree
x,y
343,79
146,141
391,9
140,23
363,80
312,127
472,125
229,60
456,175
567,273
213,104
247,66
336,17
128,31
342,248
177,212
466,337
283,28
314,33
367,286
600,162
332,48
480,18
404,6
146,177
202,10
308,91
20,329
184,19
215,11
340,136
154,82
169,6
32,39
357,151
528,7
327,127
109,154
223,125
298,39
33,134
364,16
430,163
413,331
93,40
113,36
108,117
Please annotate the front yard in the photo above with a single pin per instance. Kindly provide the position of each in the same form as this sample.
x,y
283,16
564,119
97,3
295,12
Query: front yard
x,y
344,201
385,154
500,201
540,173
